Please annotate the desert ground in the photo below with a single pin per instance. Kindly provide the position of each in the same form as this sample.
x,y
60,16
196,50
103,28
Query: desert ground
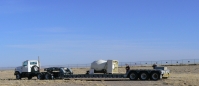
x,y
180,76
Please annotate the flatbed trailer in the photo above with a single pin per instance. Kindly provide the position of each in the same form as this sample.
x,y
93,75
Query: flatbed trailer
x,y
138,74
132,75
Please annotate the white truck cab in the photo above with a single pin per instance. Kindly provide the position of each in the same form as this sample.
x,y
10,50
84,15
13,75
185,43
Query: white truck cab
x,y
28,69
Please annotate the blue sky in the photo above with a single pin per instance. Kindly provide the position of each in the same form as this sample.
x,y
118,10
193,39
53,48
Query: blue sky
x,y
81,31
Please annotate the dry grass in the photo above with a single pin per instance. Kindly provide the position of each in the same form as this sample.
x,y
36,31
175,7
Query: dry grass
x,y
180,76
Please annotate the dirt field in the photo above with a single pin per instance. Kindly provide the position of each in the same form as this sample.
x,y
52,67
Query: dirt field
x,y
180,76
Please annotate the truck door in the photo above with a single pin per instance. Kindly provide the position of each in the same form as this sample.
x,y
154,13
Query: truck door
x,y
25,66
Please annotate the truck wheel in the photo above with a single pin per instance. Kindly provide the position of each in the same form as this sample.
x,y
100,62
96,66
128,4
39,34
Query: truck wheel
x,y
155,76
34,69
144,76
133,76
18,76
40,76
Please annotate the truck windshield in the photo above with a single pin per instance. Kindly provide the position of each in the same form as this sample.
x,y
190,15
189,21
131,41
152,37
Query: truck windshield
x,y
33,63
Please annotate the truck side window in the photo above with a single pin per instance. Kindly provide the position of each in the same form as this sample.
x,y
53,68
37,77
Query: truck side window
x,y
33,63
25,63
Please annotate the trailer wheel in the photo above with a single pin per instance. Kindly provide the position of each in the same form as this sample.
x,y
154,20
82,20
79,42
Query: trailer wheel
x,y
133,76
144,76
155,76
47,76
18,76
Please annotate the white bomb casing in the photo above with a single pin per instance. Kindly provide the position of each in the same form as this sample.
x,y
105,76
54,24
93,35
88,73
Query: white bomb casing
x,y
99,65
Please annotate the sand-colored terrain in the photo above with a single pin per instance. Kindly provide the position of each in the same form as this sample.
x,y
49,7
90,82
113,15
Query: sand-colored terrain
x,y
180,76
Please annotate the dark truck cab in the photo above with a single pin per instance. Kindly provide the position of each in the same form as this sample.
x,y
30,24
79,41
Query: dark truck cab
x,y
54,73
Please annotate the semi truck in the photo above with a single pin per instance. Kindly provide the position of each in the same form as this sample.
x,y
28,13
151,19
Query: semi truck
x,y
99,69
29,69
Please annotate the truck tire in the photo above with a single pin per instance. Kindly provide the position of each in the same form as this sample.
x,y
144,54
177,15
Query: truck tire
x,y
155,76
144,76
133,76
34,69
18,76
40,76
